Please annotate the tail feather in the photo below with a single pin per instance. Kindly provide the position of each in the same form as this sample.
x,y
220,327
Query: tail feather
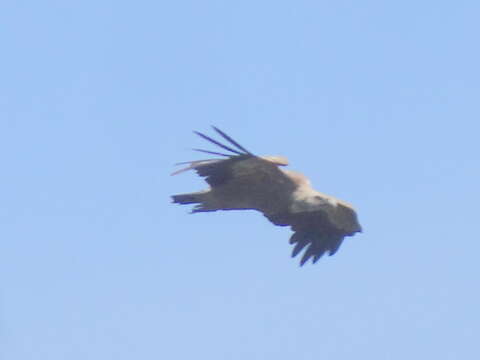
x,y
202,199
192,198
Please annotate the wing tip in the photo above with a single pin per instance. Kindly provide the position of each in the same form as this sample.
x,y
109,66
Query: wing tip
x,y
314,245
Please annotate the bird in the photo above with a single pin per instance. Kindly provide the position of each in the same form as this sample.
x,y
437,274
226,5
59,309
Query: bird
x,y
241,180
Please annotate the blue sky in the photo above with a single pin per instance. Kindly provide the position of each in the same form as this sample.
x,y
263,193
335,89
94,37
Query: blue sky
x,y
377,102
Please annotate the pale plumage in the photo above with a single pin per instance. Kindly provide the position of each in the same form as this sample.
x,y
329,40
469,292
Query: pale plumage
x,y
245,181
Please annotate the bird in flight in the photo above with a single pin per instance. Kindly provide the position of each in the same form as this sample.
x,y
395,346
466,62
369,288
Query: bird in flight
x,y
241,180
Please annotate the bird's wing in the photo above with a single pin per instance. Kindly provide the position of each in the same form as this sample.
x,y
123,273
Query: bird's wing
x,y
217,171
320,223
239,163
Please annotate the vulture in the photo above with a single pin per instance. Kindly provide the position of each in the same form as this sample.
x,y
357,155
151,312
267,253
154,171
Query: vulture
x,y
241,180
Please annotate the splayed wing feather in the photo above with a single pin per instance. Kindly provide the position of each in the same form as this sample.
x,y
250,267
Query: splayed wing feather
x,y
197,161
212,152
336,245
233,142
218,143
299,246
194,165
311,251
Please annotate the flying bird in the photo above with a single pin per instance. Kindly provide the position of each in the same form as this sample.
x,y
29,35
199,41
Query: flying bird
x,y
241,180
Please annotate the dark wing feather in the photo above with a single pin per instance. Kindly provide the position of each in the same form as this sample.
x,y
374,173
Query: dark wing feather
x,y
233,142
218,171
212,152
318,232
223,146
313,231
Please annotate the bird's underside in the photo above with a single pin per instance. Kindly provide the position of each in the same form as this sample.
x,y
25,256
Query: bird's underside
x,y
241,180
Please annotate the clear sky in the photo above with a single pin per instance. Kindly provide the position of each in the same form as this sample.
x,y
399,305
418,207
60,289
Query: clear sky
x,y
376,101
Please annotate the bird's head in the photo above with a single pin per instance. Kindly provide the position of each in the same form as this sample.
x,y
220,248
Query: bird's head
x,y
277,160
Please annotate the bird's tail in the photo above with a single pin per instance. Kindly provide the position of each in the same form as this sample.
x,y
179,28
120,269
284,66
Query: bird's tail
x,y
201,198
192,198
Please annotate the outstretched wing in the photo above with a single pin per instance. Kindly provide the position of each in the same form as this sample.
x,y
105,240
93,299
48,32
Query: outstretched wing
x,y
217,171
319,229
221,171
242,180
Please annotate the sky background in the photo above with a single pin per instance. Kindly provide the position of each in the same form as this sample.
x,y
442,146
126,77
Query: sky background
x,y
376,101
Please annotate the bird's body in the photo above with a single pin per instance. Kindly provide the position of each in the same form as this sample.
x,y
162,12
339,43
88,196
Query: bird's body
x,y
246,181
